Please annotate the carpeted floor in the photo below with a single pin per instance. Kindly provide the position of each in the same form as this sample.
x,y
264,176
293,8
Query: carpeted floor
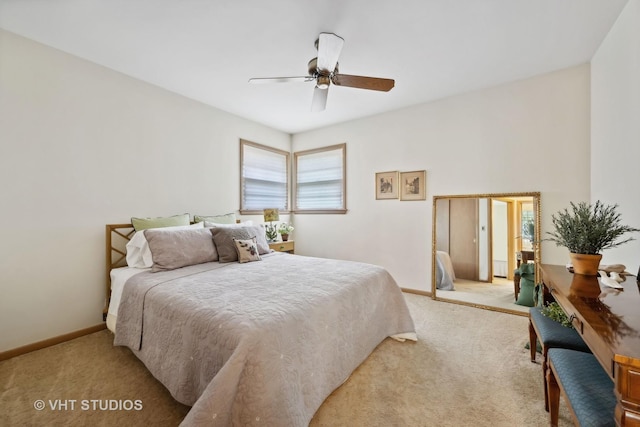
x,y
499,294
469,367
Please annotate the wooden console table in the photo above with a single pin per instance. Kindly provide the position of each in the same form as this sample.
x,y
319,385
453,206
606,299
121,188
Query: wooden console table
x,y
609,322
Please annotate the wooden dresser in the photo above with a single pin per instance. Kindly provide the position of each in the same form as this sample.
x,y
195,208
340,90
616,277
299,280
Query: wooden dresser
x,y
609,322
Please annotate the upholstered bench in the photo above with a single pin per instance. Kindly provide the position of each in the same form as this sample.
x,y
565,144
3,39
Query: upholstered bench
x,y
551,334
587,388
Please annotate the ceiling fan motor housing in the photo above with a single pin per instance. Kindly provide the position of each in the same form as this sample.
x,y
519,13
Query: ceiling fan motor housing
x,y
323,77
314,71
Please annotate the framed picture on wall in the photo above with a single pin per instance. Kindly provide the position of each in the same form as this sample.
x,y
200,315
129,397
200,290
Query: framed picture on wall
x,y
387,185
413,185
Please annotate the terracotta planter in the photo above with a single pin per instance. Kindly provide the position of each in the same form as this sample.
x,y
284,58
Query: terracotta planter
x,y
585,264
285,237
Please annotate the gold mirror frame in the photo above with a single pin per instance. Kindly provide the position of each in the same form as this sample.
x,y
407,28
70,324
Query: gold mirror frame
x,y
536,243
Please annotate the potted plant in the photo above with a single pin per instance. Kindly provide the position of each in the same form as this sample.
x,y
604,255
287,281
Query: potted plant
x,y
285,229
586,230
271,232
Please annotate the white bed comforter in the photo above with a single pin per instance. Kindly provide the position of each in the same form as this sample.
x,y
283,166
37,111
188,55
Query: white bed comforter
x,y
262,343
445,276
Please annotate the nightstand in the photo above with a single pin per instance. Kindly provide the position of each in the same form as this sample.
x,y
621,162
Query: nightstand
x,y
287,246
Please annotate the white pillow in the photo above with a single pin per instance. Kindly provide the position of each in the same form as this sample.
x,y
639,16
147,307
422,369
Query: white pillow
x,y
138,252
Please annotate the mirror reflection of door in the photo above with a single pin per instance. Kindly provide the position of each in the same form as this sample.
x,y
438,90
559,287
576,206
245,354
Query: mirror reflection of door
x,y
482,237
463,237
500,239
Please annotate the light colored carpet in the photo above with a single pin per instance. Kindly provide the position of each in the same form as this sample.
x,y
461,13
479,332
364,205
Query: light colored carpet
x,y
499,294
469,368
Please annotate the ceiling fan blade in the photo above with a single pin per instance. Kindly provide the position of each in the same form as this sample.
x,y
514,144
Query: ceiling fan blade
x,y
282,79
319,101
362,82
329,48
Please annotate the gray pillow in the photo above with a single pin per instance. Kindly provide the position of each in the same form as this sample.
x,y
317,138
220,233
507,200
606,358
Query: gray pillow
x,y
180,248
223,239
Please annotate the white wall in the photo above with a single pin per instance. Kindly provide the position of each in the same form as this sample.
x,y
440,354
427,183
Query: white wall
x,y
615,128
530,135
82,146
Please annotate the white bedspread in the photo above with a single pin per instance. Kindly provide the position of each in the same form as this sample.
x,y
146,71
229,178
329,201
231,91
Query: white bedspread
x,y
262,343
445,276
119,277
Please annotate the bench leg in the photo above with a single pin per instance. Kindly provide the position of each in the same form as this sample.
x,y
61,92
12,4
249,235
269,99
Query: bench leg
x,y
545,373
533,341
552,398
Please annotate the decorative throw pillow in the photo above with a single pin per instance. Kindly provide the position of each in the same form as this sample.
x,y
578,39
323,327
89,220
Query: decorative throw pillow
x,y
138,252
538,295
223,239
180,248
525,296
168,221
229,218
247,250
527,270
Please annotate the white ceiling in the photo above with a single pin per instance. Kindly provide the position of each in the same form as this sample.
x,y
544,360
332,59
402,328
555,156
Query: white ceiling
x,y
208,49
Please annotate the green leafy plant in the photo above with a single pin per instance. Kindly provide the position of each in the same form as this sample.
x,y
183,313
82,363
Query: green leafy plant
x,y
589,228
285,228
554,312
271,232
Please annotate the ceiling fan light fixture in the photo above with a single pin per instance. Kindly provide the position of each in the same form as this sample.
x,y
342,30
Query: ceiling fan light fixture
x,y
322,82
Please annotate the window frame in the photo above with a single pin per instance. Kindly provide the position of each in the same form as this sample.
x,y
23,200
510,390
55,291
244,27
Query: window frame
x,y
286,154
294,195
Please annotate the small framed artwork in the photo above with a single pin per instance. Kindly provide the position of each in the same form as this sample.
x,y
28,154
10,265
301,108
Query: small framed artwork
x,y
413,185
387,185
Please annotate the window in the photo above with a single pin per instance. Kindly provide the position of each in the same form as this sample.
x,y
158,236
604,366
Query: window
x,y
320,180
264,178
527,226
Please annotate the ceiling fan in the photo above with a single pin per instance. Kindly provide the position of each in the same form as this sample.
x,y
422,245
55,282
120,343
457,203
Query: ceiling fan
x,y
323,70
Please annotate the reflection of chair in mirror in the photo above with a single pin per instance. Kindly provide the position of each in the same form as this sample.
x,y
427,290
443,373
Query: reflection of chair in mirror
x,y
523,257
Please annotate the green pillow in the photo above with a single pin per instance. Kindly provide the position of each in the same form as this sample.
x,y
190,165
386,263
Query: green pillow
x,y
538,295
160,222
525,297
527,270
229,218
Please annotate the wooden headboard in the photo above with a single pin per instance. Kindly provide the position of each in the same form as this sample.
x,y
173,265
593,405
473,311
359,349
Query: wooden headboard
x,y
117,237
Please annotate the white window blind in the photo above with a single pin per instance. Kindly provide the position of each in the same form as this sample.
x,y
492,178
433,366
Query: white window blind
x,y
320,179
264,181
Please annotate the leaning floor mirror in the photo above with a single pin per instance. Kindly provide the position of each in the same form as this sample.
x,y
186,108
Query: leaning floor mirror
x,y
486,251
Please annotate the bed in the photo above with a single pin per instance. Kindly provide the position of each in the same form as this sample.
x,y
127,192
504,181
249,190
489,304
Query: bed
x,y
255,343
445,275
